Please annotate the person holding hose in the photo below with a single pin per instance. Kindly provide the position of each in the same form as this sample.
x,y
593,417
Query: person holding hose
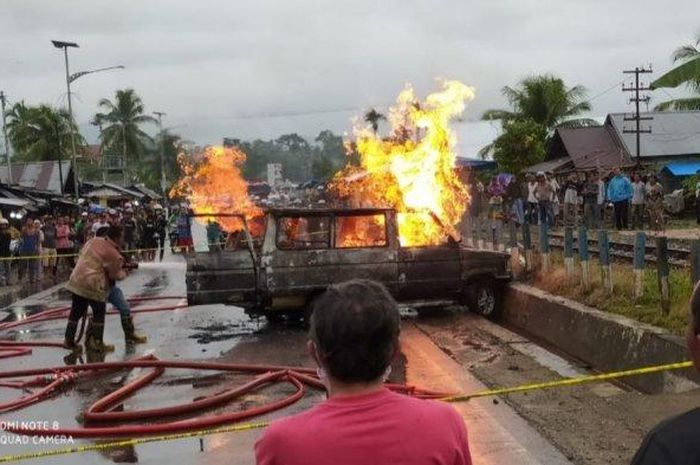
x,y
117,299
99,263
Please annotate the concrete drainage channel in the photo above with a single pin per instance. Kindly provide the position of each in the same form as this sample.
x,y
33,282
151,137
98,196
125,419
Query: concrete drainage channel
x,y
605,341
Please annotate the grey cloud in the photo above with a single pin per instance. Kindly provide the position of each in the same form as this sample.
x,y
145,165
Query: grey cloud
x,y
207,63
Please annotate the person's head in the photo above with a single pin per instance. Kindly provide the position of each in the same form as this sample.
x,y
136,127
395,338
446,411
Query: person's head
x,y
4,224
115,234
636,177
693,334
653,179
593,175
616,171
354,332
49,220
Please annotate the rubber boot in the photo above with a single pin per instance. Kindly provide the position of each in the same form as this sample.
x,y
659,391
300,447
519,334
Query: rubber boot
x,y
130,333
69,340
93,338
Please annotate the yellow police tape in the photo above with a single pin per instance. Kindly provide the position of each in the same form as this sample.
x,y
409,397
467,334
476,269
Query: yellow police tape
x,y
130,442
251,426
64,255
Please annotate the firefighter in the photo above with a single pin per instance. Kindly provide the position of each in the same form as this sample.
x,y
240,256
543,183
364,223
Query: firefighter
x,y
99,263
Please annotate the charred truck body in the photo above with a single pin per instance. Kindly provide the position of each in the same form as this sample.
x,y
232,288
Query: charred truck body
x,y
299,252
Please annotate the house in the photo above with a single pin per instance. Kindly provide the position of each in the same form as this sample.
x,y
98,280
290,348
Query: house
x,y
674,138
583,149
44,177
111,195
673,174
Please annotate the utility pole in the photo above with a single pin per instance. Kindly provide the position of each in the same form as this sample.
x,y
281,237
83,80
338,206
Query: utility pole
x,y
7,143
65,45
163,181
637,88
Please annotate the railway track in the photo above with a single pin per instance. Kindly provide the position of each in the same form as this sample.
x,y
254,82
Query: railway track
x,y
624,251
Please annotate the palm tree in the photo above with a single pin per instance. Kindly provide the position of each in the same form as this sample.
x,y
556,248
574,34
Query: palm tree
x,y
40,133
121,120
688,73
148,170
373,117
545,100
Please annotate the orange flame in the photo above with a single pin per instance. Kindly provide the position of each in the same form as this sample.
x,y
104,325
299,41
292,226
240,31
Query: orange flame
x,y
213,183
413,169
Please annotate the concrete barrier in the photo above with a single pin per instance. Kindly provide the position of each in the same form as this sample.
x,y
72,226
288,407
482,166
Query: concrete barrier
x,y
603,340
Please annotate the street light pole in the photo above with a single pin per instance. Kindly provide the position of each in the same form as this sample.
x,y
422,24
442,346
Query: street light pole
x,y
7,143
64,46
163,181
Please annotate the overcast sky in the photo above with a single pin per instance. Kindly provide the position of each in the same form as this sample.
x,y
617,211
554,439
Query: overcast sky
x,y
260,68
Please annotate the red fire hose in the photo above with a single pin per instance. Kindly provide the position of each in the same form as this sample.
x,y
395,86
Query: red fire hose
x,y
101,413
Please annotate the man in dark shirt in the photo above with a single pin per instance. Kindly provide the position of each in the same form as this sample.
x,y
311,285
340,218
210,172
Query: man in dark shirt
x,y
129,226
5,240
676,441
49,247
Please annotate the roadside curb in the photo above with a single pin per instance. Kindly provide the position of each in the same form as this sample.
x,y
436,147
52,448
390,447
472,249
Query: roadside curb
x,y
605,341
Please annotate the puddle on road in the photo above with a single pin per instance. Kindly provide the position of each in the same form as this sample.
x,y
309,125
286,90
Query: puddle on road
x,y
20,312
221,332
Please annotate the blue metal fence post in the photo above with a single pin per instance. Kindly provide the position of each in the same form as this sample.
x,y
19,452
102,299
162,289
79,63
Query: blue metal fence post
x,y
604,255
544,245
569,251
584,256
639,253
663,272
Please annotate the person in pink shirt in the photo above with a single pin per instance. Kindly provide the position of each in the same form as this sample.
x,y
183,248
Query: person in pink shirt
x,y
354,337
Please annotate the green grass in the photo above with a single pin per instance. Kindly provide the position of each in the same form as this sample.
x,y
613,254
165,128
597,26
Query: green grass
x,y
647,309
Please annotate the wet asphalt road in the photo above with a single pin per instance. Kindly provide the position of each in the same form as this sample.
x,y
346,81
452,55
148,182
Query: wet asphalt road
x,y
225,334
213,332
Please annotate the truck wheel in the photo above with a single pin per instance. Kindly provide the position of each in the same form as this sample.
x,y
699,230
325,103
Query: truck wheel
x,y
483,297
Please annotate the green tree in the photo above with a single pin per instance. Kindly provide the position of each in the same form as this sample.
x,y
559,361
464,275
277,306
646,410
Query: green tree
x,y
521,144
148,169
545,100
121,121
41,133
373,117
686,73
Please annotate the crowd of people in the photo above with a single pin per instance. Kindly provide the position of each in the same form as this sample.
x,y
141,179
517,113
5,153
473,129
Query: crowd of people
x,y
43,246
592,198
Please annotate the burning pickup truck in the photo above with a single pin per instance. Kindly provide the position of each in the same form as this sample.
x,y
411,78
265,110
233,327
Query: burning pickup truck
x,y
297,253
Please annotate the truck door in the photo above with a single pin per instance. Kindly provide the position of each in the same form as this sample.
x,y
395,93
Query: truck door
x,y
296,260
429,272
363,247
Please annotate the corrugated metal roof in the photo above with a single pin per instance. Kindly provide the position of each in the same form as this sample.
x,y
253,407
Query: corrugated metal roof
x,y
107,190
593,148
463,162
683,169
552,165
672,133
43,175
